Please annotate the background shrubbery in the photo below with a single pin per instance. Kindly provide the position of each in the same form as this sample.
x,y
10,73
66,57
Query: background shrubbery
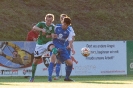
x,y
93,20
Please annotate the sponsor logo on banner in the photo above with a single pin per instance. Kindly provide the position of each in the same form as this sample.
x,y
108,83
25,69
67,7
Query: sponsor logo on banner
x,y
9,72
45,69
25,71
84,69
131,65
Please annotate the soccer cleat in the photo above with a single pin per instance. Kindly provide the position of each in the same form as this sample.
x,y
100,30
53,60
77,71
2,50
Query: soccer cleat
x,y
31,79
49,79
70,80
56,78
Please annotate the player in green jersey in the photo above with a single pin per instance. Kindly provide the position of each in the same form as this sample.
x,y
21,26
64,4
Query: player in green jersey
x,y
44,41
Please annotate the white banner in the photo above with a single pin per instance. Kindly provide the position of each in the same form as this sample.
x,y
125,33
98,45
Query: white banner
x,y
41,70
106,58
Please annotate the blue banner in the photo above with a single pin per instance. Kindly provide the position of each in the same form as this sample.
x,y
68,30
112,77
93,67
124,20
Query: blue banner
x,y
16,54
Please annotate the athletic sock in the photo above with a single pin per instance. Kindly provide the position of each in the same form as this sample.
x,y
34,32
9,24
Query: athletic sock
x,y
50,71
68,71
57,69
33,70
55,51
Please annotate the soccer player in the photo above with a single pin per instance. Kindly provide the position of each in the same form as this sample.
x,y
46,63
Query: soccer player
x,y
44,41
63,34
58,63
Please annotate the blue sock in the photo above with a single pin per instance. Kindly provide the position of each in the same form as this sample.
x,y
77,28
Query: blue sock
x,y
68,71
57,69
50,71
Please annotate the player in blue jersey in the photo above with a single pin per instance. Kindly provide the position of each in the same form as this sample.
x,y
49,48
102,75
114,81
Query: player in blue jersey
x,y
63,34
58,63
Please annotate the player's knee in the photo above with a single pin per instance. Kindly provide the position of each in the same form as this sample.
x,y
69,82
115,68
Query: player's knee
x,y
50,47
36,60
69,62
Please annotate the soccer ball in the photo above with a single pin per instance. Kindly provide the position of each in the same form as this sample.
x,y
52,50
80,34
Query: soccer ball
x,y
85,51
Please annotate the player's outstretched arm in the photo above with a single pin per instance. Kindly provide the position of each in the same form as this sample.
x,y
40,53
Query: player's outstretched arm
x,y
35,28
71,46
54,35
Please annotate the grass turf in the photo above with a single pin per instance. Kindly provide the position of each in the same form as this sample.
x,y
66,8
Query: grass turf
x,y
80,82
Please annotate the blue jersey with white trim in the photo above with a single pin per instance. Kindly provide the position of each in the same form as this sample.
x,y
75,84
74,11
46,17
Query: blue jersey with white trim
x,y
70,29
62,36
58,24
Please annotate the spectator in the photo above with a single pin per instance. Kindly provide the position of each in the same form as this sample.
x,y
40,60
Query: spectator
x,y
32,35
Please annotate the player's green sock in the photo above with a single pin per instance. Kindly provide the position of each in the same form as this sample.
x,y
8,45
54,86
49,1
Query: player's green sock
x,y
33,70
55,51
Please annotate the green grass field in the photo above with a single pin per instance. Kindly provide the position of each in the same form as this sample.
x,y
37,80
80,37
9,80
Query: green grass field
x,y
80,82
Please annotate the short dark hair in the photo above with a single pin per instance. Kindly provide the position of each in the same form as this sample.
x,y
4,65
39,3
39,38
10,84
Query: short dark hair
x,y
67,20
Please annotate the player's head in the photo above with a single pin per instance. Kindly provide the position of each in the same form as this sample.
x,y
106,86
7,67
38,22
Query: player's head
x,y
66,22
34,24
62,16
49,18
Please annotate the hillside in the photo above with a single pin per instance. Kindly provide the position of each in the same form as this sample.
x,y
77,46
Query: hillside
x,y
92,19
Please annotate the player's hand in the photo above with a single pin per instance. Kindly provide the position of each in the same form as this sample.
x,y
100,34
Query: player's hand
x,y
48,36
54,35
76,62
34,39
43,31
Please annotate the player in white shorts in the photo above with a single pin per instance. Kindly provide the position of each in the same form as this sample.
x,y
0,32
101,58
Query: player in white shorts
x,y
44,41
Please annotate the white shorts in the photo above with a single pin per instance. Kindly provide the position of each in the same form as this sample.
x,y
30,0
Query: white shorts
x,y
40,49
